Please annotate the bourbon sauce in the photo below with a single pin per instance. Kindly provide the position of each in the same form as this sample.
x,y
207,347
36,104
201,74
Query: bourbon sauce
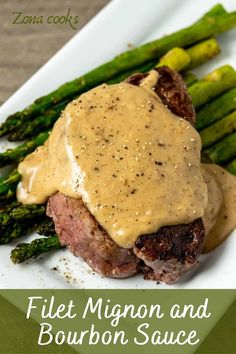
x,y
135,165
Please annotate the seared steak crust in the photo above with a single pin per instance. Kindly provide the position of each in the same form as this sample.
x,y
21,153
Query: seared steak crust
x,y
136,79
162,256
171,251
77,229
172,90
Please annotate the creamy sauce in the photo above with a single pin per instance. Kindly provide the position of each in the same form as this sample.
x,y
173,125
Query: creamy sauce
x,y
215,198
220,213
135,165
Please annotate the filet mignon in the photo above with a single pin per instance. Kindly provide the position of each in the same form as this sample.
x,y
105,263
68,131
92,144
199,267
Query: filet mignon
x,y
164,255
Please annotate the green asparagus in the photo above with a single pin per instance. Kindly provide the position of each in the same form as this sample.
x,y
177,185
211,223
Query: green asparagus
x,y
218,9
202,52
198,54
47,228
215,82
37,247
212,85
27,211
216,109
218,130
39,123
223,151
4,219
206,27
231,167
9,206
21,212
18,220
51,115
176,58
17,154
189,78
13,230
8,184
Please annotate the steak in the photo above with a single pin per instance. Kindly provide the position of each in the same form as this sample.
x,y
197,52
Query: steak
x,y
171,251
78,229
172,90
161,256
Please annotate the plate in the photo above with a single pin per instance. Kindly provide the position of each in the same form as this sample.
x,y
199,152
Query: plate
x,y
121,23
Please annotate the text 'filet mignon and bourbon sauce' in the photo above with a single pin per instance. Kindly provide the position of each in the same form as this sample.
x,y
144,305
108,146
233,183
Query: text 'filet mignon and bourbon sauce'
x,y
134,163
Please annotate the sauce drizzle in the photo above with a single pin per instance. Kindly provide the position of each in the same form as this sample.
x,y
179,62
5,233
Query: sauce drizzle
x,y
135,164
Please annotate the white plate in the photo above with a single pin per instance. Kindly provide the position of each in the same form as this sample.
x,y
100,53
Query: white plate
x,y
109,33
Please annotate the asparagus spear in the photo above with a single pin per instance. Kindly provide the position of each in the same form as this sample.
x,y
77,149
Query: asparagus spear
x,y
206,27
27,211
25,251
176,58
218,9
211,135
49,117
13,230
216,109
9,206
17,220
212,85
218,130
205,89
189,78
231,167
198,54
223,151
202,52
4,219
47,228
18,153
39,123
8,184
17,212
